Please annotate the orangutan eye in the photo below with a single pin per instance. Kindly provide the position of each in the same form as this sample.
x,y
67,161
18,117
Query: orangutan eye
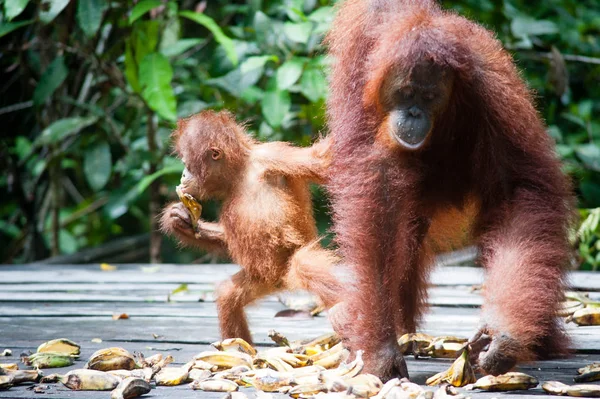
x,y
407,93
216,153
429,96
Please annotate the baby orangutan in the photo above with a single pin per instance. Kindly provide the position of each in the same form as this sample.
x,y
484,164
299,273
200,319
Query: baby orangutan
x,y
266,223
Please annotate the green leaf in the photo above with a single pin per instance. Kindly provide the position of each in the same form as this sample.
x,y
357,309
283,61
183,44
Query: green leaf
x,y
261,26
147,181
171,30
589,155
275,106
289,72
299,33
97,165
13,8
143,7
525,26
155,78
53,77
89,15
9,229
182,288
322,14
47,14
180,47
256,62
63,128
215,29
145,39
67,242
6,28
131,70
313,84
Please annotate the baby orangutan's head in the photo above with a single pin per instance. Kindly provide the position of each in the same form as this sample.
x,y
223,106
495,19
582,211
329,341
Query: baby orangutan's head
x,y
214,149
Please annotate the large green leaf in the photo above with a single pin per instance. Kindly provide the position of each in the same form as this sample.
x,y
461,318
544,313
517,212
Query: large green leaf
x,y
179,47
63,128
97,165
275,106
147,181
590,155
131,69
89,15
13,8
524,26
299,33
7,27
155,78
51,8
256,62
216,30
145,39
143,7
53,77
313,84
290,72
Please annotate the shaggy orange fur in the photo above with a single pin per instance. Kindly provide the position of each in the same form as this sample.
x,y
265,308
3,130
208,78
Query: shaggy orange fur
x,y
266,223
429,119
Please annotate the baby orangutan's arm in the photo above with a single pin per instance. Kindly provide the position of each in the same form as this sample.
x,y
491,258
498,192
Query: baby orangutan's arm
x,y
310,163
176,221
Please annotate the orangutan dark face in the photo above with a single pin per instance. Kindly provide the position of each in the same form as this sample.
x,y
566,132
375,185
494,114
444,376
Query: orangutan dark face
x,y
419,98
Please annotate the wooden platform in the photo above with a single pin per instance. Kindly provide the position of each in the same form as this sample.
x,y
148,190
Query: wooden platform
x,y
42,302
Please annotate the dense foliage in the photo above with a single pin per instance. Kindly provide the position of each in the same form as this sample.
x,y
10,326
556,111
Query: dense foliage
x,y
91,90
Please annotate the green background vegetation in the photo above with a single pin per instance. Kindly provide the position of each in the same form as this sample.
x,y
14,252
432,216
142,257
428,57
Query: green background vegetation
x,y
90,91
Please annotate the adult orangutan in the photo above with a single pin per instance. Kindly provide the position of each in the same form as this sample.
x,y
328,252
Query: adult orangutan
x,y
266,223
434,132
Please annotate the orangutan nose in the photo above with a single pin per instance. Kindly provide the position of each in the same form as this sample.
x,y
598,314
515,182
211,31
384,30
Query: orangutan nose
x,y
415,112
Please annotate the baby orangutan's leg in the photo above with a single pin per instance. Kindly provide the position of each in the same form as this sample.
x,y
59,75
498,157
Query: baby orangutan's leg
x,y
317,270
232,296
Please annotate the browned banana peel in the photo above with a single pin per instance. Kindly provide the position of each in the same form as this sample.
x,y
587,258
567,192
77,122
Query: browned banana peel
x,y
588,373
581,390
193,206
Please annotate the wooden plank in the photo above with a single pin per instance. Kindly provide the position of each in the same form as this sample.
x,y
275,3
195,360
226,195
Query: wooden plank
x,y
202,274
203,328
106,293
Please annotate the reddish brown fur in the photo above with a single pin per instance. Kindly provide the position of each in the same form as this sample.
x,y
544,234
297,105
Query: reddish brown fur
x,y
488,155
266,223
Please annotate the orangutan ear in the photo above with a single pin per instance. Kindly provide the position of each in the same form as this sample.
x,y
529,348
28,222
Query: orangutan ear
x,y
216,153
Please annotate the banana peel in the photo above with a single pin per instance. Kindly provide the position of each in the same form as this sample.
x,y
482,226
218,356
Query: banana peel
x,y
214,385
60,345
588,316
47,360
512,381
111,359
89,380
588,373
225,360
191,204
579,390
459,374
235,345
130,387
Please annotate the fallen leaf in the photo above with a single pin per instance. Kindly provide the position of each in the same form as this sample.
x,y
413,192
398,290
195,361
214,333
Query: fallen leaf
x,y
117,316
294,314
97,340
105,267
181,288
